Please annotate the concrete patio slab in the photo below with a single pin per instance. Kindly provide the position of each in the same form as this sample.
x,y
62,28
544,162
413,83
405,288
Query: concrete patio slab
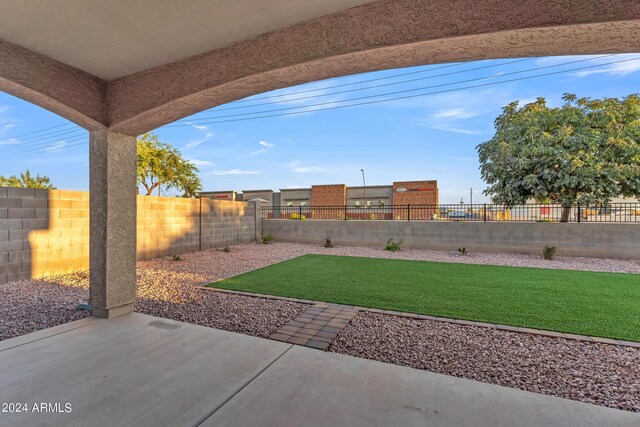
x,y
147,371
311,388
132,370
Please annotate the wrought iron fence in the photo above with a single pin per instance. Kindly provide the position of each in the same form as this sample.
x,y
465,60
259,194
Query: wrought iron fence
x,y
614,212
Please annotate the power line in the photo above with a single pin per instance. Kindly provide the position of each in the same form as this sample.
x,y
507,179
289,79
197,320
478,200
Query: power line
x,y
52,147
49,139
35,151
407,96
431,68
65,133
198,121
60,149
373,87
54,135
43,130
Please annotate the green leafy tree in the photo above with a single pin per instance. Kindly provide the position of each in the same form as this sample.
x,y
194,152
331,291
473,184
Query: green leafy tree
x,y
585,151
25,180
162,166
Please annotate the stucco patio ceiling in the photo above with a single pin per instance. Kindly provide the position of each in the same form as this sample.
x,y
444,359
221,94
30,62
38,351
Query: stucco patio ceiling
x,y
114,38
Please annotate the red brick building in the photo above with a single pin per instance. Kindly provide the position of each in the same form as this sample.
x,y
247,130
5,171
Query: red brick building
x,y
334,201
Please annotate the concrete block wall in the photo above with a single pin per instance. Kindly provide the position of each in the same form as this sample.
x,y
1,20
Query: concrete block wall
x,y
600,240
226,223
42,232
170,225
166,225
46,232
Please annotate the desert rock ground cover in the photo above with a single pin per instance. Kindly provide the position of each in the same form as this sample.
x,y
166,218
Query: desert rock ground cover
x,y
600,374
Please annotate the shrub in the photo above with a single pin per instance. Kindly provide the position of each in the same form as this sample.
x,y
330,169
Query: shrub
x,y
549,252
226,249
176,257
297,216
267,238
463,251
328,243
394,246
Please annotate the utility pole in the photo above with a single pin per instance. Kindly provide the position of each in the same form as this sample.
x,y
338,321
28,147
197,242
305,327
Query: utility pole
x,y
364,184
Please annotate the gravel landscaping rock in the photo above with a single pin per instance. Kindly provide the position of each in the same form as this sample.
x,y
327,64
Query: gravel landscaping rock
x,y
30,305
247,257
600,374
168,294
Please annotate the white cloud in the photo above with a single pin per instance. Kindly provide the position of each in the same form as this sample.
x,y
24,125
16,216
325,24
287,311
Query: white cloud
x,y
620,69
197,142
7,127
208,134
458,130
234,172
266,144
266,147
200,127
308,169
4,108
199,162
295,167
553,60
457,113
632,64
57,146
10,141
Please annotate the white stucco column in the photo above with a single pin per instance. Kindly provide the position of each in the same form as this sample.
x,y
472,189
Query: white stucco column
x,y
112,160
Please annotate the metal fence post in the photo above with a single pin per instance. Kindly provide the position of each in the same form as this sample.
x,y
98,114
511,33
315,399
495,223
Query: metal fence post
x,y
345,211
579,213
300,212
484,212
408,212
200,226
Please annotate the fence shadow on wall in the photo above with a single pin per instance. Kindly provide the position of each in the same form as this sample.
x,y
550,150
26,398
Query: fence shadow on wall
x,y
42,232
168,225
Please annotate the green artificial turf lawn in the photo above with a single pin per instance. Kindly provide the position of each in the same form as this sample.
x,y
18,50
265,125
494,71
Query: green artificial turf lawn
x,y
587,303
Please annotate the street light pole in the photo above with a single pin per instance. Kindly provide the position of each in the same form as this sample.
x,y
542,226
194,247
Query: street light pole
x,y
365,188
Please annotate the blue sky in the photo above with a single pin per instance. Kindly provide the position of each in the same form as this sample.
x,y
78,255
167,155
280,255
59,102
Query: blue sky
x,y
426,137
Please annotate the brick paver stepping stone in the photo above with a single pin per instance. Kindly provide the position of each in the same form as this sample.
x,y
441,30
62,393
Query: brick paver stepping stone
x,y
316,327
